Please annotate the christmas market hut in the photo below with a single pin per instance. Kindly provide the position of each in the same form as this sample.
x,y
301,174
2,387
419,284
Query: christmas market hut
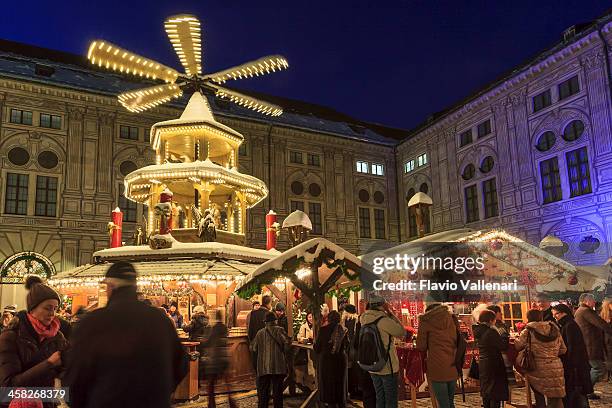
x,y
506,260
309,271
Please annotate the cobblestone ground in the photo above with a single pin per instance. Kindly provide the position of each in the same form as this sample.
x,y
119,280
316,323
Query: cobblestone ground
x,y
472,400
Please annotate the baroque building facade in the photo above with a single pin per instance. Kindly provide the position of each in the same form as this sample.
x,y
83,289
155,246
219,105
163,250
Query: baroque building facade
x,y
531,153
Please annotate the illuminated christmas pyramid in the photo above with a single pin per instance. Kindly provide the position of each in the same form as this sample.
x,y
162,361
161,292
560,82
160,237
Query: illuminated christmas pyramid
x,y
196,178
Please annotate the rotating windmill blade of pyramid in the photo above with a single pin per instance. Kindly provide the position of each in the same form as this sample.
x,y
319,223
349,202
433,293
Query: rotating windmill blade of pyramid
x,y
184,32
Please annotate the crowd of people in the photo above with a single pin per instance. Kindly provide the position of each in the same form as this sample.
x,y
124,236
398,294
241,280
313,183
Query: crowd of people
x,y
107,360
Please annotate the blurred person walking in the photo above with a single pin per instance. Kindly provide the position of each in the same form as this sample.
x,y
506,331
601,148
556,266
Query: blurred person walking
x,y
217,362
594,329
575,361
492,369
547,380
438,337
32,343
330,347
126,354
269,346
199,331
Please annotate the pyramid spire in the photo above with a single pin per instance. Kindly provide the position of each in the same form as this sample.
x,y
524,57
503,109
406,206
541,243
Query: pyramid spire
x,y
198,109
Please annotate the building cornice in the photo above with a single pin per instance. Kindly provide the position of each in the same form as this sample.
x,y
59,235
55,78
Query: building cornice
x,y
504,89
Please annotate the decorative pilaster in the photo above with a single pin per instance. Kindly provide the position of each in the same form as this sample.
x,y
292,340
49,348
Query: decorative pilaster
x,y
106,121
521,135
73,149
599,100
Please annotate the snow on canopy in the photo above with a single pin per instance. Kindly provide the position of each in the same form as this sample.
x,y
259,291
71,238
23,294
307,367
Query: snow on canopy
x,y
297,219
420,198
309,251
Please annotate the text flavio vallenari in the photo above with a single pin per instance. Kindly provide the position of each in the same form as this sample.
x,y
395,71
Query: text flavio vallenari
x,y
460,265
430,285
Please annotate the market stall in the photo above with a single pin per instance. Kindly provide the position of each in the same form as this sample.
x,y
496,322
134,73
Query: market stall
x,y
507,260
310,272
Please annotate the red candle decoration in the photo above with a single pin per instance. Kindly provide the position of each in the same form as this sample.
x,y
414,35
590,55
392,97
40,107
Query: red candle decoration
x,y
270,230
117,223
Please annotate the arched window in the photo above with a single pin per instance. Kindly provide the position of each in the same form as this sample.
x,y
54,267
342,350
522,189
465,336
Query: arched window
x,y
16,267
573,131
364,195
424,188
468,172
379,197
127,167
297,188
18,156
546,141
47,159
487,164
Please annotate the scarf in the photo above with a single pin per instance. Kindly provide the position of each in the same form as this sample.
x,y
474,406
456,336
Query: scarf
x,y
337,338
44,332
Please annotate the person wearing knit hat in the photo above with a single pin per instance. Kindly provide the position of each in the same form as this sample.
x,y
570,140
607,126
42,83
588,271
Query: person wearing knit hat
x,y
281,317
7,315
31,345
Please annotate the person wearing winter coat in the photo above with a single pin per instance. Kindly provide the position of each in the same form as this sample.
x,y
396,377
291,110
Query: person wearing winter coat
x,y
594,329
306,333
438,337
366,386
492,370
31,345
547,379
389,326
198,328
349,321
330,349
126,354
269,346
606,315
575,361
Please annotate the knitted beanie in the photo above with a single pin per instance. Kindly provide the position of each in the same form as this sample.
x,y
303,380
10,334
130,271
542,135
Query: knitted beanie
x,y
38,292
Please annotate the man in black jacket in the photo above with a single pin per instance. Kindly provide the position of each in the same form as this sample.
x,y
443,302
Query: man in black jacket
x,y
126,354
576,366
256,317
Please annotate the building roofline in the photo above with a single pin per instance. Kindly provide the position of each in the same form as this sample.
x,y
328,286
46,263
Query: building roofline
x,y
295,106
541,57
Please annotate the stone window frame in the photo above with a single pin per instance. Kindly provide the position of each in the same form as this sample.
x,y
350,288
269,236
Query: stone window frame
x,y
32,174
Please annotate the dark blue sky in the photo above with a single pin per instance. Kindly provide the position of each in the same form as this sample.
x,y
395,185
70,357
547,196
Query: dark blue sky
x,y
392,62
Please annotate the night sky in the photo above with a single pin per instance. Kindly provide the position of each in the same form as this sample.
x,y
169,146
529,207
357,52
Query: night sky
x,y
391,62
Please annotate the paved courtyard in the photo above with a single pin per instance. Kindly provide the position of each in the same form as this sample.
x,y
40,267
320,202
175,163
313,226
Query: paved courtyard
x,y
249,400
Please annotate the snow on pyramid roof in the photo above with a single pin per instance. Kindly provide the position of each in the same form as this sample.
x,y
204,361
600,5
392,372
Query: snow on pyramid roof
x,y
297,218
197,109
197,112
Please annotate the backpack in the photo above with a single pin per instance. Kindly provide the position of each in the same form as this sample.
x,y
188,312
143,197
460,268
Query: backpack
x,y
371,355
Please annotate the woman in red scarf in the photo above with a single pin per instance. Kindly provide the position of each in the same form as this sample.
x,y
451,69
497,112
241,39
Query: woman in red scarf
x,y
30,346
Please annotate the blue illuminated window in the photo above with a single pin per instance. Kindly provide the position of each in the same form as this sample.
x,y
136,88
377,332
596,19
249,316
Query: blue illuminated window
x,y
551,180
578,172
